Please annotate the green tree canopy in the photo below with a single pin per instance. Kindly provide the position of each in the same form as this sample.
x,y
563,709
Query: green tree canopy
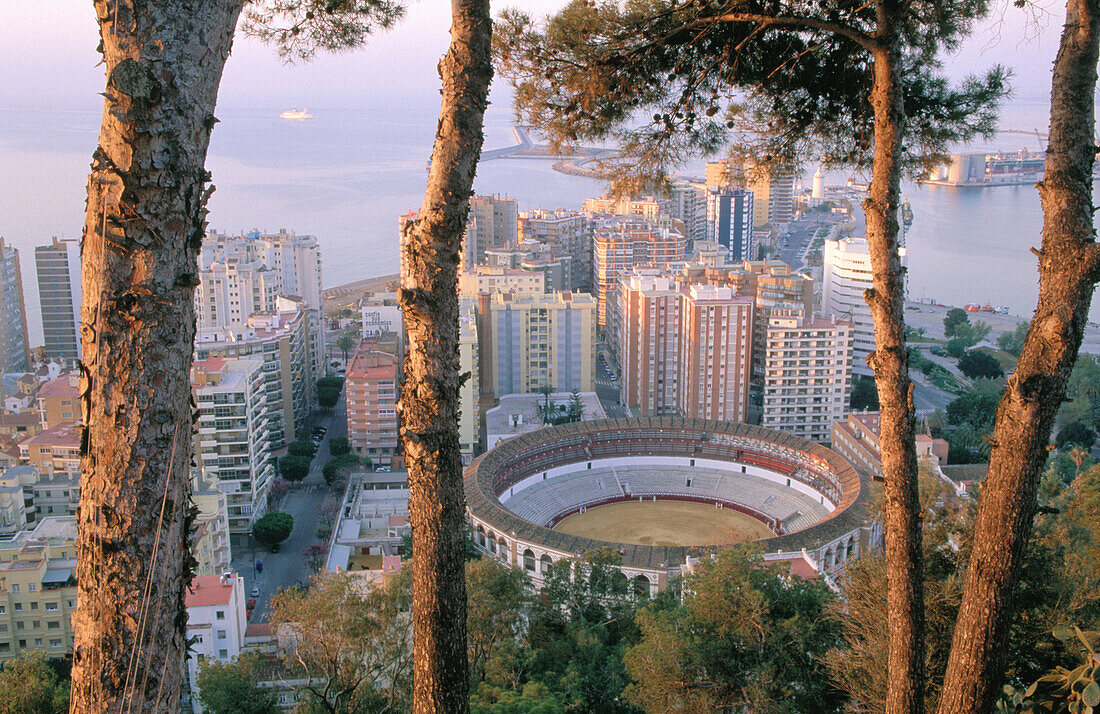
x,y
668,81
338,467
1013,342
29,685
497,601
976,363
351,646
746,633
301,448
294,468
233,687
275,527
338,446
955,317
864,394
1075,434
956,347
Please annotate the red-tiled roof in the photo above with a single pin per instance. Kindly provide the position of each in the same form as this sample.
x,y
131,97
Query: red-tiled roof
x,y
209,590
62,387
66,433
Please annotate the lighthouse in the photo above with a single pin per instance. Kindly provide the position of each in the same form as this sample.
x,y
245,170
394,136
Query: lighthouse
x,y
819,185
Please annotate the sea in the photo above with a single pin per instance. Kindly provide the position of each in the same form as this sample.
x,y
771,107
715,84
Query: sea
x,y
346,175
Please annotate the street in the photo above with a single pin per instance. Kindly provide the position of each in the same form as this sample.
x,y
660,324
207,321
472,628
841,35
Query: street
x,y
303,502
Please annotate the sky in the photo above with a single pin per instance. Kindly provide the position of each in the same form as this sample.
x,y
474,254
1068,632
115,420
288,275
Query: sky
x,y
48,60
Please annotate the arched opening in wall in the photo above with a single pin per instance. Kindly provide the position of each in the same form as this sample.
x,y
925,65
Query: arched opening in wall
x,y
830,558
641,585
545,562
529,560
492,543
481,536
503,549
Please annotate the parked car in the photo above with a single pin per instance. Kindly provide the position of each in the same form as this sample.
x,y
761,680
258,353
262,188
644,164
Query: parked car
x,y
255,593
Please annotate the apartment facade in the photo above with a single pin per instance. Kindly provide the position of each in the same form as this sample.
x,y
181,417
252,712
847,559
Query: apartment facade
x,y
55,454
246,274
371,382
493,279
15,353
216,623
534,340
808,375
493,222
846,274
729,221
649,351
469,396
715,353
620,244
566,237
58,401
282,341
232,440
38,590
59,295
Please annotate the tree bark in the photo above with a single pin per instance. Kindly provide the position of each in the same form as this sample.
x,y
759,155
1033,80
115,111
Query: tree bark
x,y
143,227
429,404
1069,267
890,362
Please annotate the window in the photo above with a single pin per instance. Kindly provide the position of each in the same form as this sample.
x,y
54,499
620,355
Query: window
x,y
15,588
51,607
220,614
53,625
37,641
221,634
223,654
55,642
34,605
18,605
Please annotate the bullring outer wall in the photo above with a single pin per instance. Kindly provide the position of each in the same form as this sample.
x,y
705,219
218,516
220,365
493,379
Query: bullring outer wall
x,y
841,535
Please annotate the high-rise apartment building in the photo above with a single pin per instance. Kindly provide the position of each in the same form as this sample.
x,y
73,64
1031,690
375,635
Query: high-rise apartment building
x,y
232,440
621,243
282,340
469,396
15,353
493,222
535,340
808,374
715,353
649,339
562,236
846,274
724,173
59,296
773,188
371,383
729,221
246,274
689,204
685,347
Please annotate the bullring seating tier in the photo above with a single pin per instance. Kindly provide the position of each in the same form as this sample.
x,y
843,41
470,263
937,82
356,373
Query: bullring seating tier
x,y
542,502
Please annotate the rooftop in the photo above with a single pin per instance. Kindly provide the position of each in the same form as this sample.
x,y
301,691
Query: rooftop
x,y
208,590
66,433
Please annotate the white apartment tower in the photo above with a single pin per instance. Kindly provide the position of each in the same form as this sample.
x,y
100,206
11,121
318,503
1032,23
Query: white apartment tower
x,y
846,274
59,295
808,374
233,442
242,275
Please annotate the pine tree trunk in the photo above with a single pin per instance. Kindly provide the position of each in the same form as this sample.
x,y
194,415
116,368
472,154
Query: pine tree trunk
x,y
890,361
429,406
143,227
1069,266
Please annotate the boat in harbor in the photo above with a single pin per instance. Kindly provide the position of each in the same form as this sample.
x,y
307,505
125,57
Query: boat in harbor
x,y
296,114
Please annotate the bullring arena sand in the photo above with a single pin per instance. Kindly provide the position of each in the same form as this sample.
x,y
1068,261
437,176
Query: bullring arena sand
x,y
664,523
